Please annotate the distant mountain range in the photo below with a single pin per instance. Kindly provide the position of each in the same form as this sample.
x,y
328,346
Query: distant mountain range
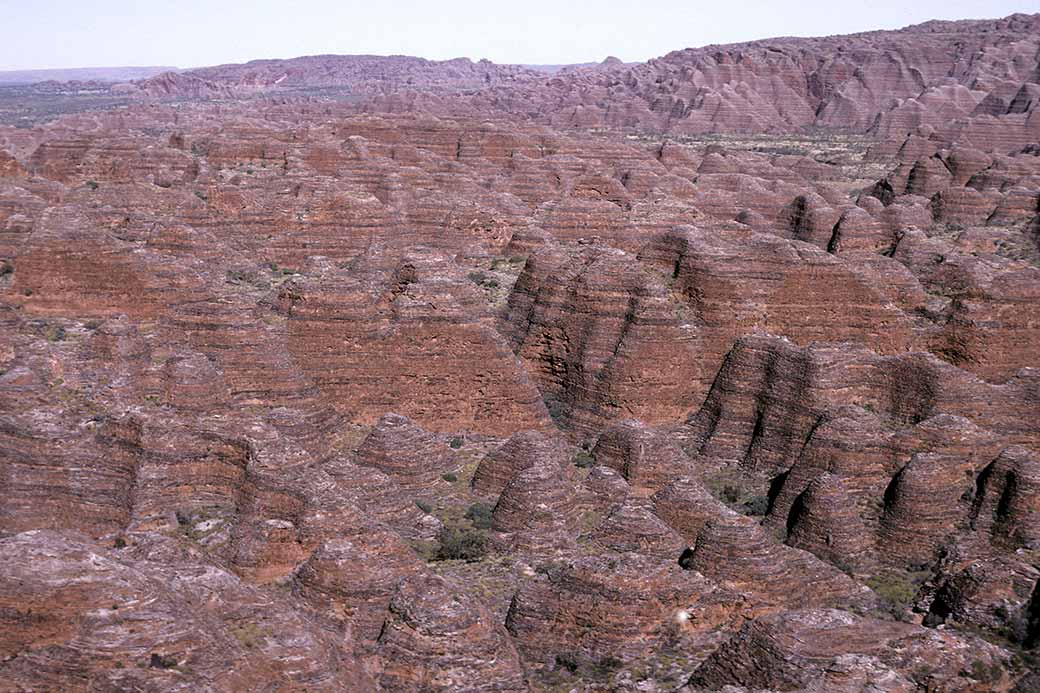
x,y
82,74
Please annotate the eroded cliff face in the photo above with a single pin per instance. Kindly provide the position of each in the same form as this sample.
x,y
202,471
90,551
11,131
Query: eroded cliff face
x,y
499,383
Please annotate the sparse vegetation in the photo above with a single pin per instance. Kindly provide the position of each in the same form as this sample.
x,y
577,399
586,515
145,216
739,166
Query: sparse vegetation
x,y
745,495
557,410
580,665
249,635
241,277
481,279
568,661
583,460
480,515
986,671
756,506
606,666
511,264
896,590
162,661
461,545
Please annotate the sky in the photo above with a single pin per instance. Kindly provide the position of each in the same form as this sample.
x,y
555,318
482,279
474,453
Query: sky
x,y
37,34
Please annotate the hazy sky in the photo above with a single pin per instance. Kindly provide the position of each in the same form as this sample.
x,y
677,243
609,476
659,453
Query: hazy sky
x,y
191,33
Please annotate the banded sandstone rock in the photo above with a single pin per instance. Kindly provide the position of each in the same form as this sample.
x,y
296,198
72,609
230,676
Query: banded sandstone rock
x,y
434,639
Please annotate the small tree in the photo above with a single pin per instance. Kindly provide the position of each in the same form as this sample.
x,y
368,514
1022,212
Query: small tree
x,y
461,545
480,515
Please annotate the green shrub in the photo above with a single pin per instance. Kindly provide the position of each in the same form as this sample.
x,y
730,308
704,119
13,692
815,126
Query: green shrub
x,y
479,514
584,460
585,667
756,506
557,410
249,636
456,442
568,661
161,661
606,666
424,506
241,277
896,590
461,545
450,477
986,672
481,279
892,587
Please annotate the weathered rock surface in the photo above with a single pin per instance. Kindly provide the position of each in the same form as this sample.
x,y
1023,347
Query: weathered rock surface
x,y
617,605
632,527
412,457
76,611
521,451
646,458
434,639
537,511
351,579
685,505
358,73
362,373
601,336
993,594
736,551
826,649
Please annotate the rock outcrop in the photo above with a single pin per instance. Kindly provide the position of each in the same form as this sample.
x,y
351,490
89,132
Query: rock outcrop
x,y
617,605
646,458
537,511
826,648
736,551
521,451
78,611
434,638
601,336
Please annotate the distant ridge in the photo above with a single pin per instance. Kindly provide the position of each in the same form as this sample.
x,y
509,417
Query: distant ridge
x,y
361,74
82,74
